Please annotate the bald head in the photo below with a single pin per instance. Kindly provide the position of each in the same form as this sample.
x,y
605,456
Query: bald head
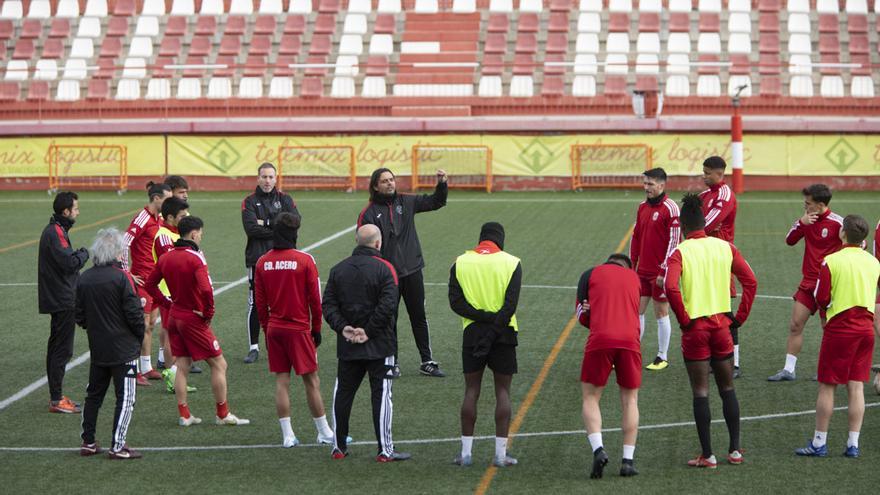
x,y
370,236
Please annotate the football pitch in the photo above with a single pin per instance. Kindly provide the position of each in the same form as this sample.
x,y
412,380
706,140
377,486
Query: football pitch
x,y
557,236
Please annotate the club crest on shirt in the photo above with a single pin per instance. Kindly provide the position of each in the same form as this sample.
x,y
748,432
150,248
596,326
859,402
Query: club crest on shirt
x,y
655,216
824,232
277,204
216,345
143,302
399,209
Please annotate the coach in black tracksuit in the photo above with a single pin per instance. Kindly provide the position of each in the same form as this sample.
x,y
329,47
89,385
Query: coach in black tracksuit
x,y
108,307
258,212
394,214
58,268
359,304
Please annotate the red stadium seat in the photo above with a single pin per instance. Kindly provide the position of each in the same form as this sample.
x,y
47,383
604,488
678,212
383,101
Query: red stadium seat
x,y
321,45
829,58
229,70
554,69
526,43
312,87
769,5
865,60
235,24
2,50
528,23
768,43
385,24
855,23
176,26
649,22
159,70
9,91
31,28
708,69
553,86
646,83
118,26
265,25
38,91
295,24
316,60
170,47
206,25
524,64
679,22
99,89
829,43
200,46
561,5
558,22
615,86
282,68
195,71
255,66
331,6
493,64
828,23
230,45
262,45
709,22
106,68
769,64
498,23
53,48
377,65
770,86
495,43
24,50
739,64
325,24
125,8
557,43
858,44
60,29
290,44
618,22
7,29
768,22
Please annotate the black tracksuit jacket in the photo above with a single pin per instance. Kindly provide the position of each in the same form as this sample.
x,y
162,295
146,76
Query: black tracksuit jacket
x,y
108,307
396,220
265,207
58,267
361,291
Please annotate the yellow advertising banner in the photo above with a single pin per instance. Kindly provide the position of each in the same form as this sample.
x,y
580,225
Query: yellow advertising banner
x,y
517,155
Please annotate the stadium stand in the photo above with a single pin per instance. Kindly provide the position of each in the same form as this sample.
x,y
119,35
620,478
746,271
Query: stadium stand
x,y
366,57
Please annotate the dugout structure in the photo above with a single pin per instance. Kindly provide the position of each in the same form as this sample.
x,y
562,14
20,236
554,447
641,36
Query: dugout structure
x,y
317,167
468,166
90,167
615,166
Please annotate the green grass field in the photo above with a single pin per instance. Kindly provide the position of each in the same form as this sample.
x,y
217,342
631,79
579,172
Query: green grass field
x,y
557,235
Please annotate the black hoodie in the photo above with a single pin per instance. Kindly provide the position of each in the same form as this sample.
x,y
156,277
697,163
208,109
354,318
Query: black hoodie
x,y
58,267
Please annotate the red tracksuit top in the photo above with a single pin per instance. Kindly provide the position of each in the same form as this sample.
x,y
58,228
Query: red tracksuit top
x,y
655,236
613,317
719,207
185,270
138,258
820,239
287,291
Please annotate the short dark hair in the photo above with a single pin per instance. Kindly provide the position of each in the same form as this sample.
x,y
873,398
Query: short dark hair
x,y
819,193
154,189
656,173
855,228
176,182
172,206
691,213
288,220
620,257
266,165
64,201
374,179
715,163
188,224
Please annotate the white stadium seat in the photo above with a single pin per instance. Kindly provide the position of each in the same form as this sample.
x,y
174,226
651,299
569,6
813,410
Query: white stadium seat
x,y
342,87
678,85
531,5
159,89
250,87
373,87
500,5
736,81
68,90
17,70
381,44
271,7
89,27
522,87
219,88
96,8
583,86
241,7
589,22
585,63
388,7
616,63
46,70
281,87
75,68
147,25
134,68
427,7
183,7
464,6
831,87
801,86
128,89
189,88
40,9
862,87
355,24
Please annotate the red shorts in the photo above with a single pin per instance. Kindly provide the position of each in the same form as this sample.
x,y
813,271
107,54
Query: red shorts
x,y
708,337
845,358
598,363
191,336
651,289
805,296
165,314
291,349
146,300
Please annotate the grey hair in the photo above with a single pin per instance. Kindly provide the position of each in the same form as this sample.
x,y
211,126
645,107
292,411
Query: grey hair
x,y
108,246
368,234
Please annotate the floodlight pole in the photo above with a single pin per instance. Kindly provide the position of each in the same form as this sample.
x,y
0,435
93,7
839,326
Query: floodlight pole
x,y
736,145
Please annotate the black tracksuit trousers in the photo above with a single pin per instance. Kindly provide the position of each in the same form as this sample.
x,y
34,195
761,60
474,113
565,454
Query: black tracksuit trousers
x,y
349,376
124,378
59,350
412,289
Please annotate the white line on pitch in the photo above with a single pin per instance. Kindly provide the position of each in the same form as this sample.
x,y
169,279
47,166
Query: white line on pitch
x,y
572,287
500,199
418,441
85,356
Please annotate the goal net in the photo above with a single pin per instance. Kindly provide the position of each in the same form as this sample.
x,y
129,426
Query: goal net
x,y
84,166
316,167
609,165
468,166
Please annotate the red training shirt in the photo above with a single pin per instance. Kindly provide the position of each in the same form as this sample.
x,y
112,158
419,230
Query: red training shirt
x,y
613,318
185,271
287,291
719,208
655,236
821,238
138,258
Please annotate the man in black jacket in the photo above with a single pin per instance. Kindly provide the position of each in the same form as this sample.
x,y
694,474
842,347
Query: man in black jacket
x,y
359,305
108,307
394,214
258,212
58,270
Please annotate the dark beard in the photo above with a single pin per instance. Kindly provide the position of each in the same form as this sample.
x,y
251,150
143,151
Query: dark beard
x,y
384,198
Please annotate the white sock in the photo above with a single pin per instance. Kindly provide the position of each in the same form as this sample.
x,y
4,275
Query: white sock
x,y
173,368
500,447
664,333
736,355
628,451
819,438
641,326
255,347
286,429
161,355
146,364
467,446
853,440
322,426
790,362
595,441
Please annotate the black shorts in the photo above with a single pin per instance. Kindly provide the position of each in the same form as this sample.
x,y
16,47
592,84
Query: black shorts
x,y
501,359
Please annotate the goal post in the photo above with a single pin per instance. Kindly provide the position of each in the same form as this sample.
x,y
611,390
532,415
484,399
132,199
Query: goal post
x,y
317,167
468,166
85,166
616,166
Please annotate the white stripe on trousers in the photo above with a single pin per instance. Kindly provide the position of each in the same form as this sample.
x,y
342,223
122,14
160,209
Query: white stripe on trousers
x,y
386,412
333,408
129,387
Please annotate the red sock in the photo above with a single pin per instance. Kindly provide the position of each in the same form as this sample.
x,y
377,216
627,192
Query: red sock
x,y
222,410
183,409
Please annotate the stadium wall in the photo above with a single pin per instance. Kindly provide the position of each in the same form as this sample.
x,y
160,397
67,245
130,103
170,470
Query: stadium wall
x,y
520,162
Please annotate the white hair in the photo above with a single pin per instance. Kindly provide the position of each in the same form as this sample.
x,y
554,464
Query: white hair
x,y
108,246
